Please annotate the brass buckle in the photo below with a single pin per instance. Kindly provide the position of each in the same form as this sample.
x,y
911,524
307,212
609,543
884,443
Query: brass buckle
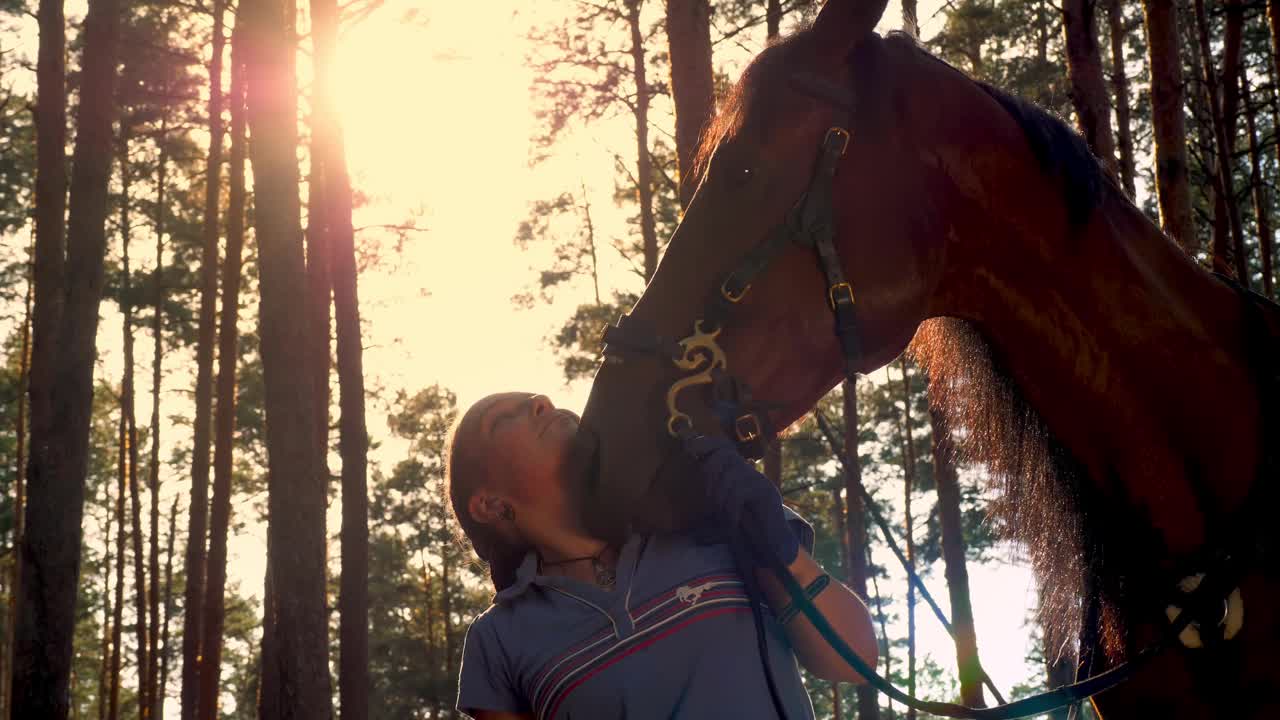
x,y
724,291
840,133
831,293
747,428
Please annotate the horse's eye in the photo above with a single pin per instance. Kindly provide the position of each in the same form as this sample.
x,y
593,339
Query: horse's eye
x,y
742,176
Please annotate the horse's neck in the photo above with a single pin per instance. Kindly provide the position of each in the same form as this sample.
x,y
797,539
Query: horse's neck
x,y
1134,358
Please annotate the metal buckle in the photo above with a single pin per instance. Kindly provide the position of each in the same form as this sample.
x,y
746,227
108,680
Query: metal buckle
x,y
728,295
831,293
747,428
840,133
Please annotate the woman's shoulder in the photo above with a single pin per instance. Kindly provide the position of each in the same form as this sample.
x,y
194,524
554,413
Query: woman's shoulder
x,y
708,534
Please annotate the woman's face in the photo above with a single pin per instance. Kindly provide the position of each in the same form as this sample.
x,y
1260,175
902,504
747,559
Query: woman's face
x,y
524,441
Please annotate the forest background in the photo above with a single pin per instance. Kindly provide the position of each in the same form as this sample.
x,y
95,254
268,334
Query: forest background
x,y
497,179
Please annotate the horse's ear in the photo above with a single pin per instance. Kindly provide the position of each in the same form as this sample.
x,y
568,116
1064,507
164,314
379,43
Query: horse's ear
x,y
842,24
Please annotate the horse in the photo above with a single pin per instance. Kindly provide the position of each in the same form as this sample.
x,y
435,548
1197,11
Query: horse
x,y
1114,389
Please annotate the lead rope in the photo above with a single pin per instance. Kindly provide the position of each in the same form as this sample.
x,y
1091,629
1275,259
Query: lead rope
x,y
913,578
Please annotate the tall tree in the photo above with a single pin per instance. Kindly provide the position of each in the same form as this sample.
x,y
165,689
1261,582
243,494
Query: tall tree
x,y
773,18
153,463
644,163
166,651
1173,190
127,399
1273,24
197,523
296,485
19,493
60,442
117,619
1088,88
947,481
1222,100
213,605
1118,27
906,433
1261,206
48,279
910,18
104,682
692,86
334,209
855,541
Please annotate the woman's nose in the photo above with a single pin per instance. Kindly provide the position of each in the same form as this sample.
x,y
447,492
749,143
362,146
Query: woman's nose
x,y
539,404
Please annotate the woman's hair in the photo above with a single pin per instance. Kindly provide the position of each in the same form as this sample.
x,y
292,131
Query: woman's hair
x,y
465,471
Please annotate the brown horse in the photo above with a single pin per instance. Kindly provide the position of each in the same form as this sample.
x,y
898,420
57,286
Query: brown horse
x,y
1103,376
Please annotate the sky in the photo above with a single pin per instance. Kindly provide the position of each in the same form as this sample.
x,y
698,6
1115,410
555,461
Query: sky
x,y
436,107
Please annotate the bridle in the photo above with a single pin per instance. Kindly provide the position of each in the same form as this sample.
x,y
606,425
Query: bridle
x,y
809,224
699,360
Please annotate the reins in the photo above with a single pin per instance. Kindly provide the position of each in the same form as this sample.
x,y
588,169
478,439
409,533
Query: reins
x,y
699,360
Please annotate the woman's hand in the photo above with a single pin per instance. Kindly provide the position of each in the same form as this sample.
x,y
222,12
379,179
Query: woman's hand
x,y
736,490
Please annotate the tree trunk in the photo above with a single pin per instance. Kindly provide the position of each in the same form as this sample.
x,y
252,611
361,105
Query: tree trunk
x,y
953,551
906,431
1088,88
1222,109
886,650
19,496
60,452
773,19
692,87
269,672
1231,79
335,206
213,604
296,484
166,654
855,540
644,163
117,620
1173,193
910,19
1273,22
1261,208
153,477
104,666
131,432
837,711
49,258
1120,85
197,522
48,281
842,534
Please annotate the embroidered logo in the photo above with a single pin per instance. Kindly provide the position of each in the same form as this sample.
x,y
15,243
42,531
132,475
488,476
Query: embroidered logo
x,y
691,594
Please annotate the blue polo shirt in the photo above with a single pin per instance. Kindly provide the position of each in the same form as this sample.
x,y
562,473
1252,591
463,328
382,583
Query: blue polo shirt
x,y
674,639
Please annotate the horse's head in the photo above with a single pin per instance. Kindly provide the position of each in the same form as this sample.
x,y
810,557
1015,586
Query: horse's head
x,y
908,160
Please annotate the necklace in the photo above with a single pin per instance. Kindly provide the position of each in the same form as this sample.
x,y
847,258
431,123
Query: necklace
x,y
605,576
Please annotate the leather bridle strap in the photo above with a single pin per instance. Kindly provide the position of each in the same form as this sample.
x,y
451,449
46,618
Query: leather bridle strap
x,y
810,223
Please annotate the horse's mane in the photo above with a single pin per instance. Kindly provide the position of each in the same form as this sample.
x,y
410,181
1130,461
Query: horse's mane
x,y
1039,487
1061,152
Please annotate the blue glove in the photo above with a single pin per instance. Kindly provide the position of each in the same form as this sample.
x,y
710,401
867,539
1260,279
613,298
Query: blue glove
x,y
736,490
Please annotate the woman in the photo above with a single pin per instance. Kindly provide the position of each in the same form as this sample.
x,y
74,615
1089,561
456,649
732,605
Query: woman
x,y
656,626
